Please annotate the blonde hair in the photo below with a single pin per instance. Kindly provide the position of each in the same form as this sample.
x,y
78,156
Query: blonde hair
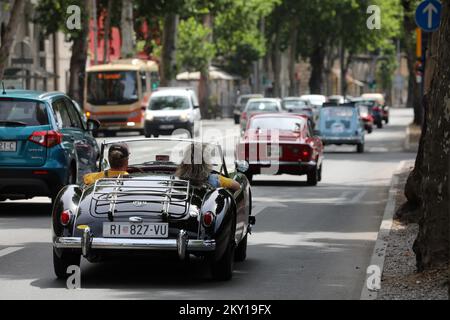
x,y
195,166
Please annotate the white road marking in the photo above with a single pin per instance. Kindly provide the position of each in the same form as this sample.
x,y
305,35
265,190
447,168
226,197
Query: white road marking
x,y
9,250
357,198
258,208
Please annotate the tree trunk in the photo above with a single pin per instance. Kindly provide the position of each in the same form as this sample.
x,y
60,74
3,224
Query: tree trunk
x,y
293,83
78,59
127,30
203,85
317,60
10,32
168,48
107,31
276,65
432,244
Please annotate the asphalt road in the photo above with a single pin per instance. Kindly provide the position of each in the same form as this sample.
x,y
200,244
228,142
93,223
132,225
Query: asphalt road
x,y
308,243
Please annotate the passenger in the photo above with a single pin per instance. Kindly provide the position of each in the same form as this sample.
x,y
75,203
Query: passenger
x,y
118,160
200,171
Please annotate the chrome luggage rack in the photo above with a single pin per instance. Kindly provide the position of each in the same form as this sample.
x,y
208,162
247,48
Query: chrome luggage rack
x,y
139,193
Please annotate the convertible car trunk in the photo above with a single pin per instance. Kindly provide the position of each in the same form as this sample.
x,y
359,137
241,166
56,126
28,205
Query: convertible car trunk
x,y
151,198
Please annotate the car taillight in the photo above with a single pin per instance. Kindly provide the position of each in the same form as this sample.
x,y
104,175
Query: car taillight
x,y
208,219
65,218
306,154
46,138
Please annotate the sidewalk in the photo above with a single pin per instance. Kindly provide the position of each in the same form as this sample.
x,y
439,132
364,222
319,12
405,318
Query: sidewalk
x,y
399,278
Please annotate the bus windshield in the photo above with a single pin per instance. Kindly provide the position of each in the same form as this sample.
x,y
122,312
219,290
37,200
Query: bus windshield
x,y
112,87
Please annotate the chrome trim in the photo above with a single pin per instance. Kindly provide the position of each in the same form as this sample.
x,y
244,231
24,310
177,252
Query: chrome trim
x,y
182,242
134,244
86,242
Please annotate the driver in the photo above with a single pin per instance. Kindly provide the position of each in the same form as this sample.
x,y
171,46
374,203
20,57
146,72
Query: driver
x,y
198,170
118,154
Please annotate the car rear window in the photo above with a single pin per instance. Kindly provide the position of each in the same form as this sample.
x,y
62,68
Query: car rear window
x,y
264,106
25,113
279,123
169,103
295,104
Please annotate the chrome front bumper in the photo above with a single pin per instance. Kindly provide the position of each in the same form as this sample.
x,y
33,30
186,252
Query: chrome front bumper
x,y
182,245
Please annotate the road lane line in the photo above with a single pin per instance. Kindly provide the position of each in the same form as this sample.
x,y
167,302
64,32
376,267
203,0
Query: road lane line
x,y
357,198
9,250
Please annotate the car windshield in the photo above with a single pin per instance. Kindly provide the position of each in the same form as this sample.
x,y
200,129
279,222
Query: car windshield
x,y
22,113
279,123
337,112
112,87
169,103
165,153
262,106
294,104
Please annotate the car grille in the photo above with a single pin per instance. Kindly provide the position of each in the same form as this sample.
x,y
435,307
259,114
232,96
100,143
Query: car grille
x,y
167,119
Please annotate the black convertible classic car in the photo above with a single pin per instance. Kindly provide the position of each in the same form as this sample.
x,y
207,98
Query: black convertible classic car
x,y
152,210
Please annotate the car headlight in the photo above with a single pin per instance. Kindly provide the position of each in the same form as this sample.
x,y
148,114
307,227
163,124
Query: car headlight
x,y
184,117
149,116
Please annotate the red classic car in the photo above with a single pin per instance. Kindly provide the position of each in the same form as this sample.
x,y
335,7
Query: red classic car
x,y
281,143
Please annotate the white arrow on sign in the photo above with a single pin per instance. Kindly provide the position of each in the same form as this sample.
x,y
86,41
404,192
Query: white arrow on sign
x,y
430,9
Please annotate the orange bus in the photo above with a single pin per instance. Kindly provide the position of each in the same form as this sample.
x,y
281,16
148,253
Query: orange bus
x,y
117,93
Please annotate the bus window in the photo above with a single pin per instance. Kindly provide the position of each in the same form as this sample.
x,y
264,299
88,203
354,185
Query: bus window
x,y
112,87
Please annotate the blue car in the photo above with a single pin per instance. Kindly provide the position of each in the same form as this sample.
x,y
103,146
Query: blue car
x,y
45,143
341,125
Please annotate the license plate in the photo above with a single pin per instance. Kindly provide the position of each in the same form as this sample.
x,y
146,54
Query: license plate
x,y
135,230
8,146
337,129
167,126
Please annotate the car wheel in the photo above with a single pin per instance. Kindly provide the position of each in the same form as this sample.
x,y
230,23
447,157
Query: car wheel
x,y
380,125
313,177
155,135
370,130
360,148
241,250
222,269
237,119
386,120
60,264
320,173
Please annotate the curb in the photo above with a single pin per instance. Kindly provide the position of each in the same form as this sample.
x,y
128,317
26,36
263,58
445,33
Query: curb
x,y
379,251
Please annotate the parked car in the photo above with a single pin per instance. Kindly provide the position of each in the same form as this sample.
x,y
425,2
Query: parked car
x,y
295,150
45,143
240,105
379,98
299,106
257,106
151,211
341,125
171,109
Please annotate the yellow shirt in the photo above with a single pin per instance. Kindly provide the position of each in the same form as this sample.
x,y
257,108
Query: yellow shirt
x,y
90,178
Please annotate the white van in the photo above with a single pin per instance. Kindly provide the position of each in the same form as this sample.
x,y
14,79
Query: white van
x,y
170,109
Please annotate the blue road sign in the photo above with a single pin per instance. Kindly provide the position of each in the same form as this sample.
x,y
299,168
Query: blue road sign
x,y
428,15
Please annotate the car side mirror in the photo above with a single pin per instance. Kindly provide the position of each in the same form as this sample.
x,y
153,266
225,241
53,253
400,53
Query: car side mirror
x,y
196,106
241,166
93,125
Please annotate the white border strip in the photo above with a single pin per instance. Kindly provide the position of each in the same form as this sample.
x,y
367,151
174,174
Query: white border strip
x,y
379,251
9,250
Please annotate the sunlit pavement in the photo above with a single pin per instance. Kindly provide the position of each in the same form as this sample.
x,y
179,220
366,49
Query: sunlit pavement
x,y
308,243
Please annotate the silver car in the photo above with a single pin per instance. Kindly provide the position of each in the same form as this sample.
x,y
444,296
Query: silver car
x,y
257,106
